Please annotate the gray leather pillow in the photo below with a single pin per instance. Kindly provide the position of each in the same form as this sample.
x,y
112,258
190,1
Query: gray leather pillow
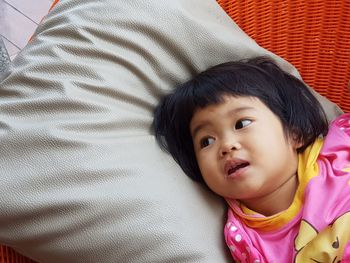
x,y
4,57
82,178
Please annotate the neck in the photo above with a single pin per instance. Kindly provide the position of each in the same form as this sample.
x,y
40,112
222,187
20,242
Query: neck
x,y
274,202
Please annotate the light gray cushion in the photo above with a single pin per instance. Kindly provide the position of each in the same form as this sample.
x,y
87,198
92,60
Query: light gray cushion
x,y
4,58
82,178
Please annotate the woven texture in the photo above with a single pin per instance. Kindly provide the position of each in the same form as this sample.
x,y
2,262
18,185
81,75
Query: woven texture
x,y
8,255
313,35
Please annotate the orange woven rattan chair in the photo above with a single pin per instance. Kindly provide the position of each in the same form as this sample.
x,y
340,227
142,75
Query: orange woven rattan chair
x,y
8,255
314,35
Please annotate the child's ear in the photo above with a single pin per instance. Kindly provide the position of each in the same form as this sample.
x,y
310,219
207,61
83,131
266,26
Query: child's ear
x,y
297,144
295,140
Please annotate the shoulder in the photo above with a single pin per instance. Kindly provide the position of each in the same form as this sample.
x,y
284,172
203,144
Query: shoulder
x,y
239,241
338,137
334,158
340,125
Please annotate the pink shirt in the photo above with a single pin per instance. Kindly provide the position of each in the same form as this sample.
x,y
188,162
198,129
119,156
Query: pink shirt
x,y
316,227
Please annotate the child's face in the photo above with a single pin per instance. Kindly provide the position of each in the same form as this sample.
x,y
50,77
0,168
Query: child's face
x,y
242,150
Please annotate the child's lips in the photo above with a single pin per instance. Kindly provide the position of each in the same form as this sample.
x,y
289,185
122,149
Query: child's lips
x,y
234,167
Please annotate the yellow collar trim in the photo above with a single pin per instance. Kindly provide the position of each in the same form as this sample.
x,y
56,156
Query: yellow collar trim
x,y
307,169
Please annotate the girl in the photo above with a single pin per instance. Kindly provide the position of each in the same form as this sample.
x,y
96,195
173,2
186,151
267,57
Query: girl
x,y
256,136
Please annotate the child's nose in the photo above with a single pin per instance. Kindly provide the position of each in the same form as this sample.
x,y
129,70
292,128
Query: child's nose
x,y
228,146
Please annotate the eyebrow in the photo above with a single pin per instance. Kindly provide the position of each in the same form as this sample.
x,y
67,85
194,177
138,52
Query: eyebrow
x,y
205,123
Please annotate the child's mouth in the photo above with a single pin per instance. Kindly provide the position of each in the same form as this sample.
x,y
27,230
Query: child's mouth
x,y
232,167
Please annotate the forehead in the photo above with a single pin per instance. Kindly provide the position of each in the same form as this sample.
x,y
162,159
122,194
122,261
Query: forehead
x,y
230,106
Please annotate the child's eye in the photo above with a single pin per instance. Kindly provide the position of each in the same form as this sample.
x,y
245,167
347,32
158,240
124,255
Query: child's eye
x,y
242,123
206,142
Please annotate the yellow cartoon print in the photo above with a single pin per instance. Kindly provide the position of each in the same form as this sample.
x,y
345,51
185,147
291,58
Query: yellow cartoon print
x,y
326,246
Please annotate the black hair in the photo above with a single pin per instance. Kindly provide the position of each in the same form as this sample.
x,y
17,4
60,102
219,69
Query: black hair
x,y
285,95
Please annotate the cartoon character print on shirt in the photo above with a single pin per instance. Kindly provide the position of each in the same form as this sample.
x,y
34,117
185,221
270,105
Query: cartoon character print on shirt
x,y
327,246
